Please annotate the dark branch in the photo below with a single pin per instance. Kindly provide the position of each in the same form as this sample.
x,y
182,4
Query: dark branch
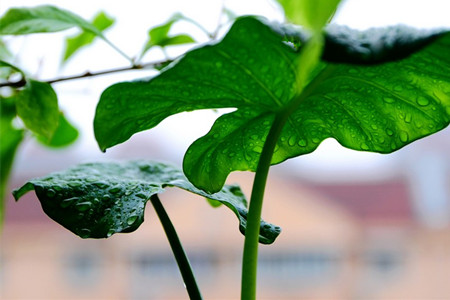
x,y
157,65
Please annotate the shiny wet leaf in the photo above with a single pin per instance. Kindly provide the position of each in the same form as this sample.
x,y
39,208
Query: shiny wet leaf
x,y
96,200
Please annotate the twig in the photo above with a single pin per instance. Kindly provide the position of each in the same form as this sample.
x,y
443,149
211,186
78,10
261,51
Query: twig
x,y
22,82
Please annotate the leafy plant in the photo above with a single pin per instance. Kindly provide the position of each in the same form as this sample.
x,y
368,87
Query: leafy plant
x,y
291,88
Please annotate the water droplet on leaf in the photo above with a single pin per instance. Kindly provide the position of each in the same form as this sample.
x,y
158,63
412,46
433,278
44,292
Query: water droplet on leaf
x,y
302,143
422,101
389,132
83,206
404,136
66,202
141,195
131,220
408,118
74,184
257,149
51,193
115,190
292,141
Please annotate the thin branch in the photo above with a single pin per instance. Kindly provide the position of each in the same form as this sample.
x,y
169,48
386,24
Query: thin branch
x,y
22,82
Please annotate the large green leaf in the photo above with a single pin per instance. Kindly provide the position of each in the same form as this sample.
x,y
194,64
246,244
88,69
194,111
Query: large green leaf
x,y
73,44
37,106
43,18
97,200
381,106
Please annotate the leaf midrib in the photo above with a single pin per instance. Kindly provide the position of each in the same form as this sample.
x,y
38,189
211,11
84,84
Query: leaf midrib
x,y
252,76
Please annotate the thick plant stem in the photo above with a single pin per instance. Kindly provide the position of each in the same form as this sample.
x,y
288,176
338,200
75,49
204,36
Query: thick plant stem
x,y
250,256
177,249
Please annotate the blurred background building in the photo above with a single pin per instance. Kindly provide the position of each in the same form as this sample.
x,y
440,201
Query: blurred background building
x,y
350,238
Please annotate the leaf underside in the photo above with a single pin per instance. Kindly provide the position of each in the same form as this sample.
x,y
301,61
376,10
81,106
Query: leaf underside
x,y
96,200
385,93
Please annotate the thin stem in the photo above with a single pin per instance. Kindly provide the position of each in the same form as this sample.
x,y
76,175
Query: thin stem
x,y
250,256
22,82
118,50
177,249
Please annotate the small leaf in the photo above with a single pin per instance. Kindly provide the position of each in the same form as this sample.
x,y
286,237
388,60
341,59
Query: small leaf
x,y
4,64
65,134
43,18
46,18
6,69
97,200
177,40
382,106
37,106
313,14
10,140
101,22
159,35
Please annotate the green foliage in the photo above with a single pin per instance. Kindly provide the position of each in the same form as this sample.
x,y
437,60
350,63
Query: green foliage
x,y
37,106
97,200
159,35
47,18
313,15
43,18
372,107
101,21
291,88
10,140
64,135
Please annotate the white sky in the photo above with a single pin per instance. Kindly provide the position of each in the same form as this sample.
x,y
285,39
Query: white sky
x,y
40,55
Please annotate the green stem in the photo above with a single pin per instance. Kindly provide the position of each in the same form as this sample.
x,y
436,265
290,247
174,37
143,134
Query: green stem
x,y
119,51
250,256
177,249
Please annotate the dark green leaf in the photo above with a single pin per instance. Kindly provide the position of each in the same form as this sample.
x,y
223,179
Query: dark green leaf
x,y
99,199
37,106
10,140
372,107
159,35
43,18
101,22
65,134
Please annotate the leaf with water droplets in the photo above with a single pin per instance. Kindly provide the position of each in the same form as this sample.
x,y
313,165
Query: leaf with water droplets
x,y
96,200
376,90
